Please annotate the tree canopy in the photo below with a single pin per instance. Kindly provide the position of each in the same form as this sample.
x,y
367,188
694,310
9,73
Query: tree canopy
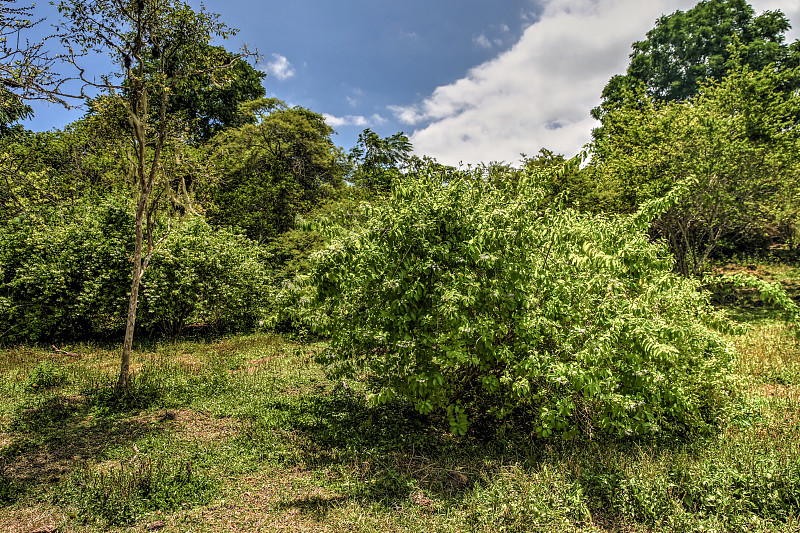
x,y
270,171
727,160
211,103
686,48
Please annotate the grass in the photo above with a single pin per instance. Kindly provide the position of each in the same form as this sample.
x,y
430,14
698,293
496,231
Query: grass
x,y
245,433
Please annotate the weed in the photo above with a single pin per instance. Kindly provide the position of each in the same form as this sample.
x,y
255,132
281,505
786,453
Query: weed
x,y
9,488
122,494
46,375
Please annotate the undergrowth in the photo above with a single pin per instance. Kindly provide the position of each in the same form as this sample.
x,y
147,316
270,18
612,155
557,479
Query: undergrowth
x,y
247,432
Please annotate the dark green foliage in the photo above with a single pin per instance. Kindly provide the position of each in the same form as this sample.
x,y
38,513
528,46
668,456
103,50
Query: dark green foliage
x,y
9,491
53,170
64,278
210,104
70,278
726,161
274,170
12,109
468,300
687,48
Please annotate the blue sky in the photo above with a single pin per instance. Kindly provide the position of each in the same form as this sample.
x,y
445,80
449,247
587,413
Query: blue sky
x,y
467,80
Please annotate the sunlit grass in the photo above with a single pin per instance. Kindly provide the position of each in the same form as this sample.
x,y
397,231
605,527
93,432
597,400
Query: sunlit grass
x,y
246,432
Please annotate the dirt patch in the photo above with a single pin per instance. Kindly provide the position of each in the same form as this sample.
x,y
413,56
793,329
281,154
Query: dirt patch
x,y
791,392
26,520
203,426
285,500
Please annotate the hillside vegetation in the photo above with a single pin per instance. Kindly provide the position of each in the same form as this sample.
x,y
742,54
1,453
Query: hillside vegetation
x,y
212,318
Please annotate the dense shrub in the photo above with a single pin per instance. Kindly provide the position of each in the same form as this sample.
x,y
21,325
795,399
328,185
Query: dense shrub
x,y
204,276
65,277
71,277
468,300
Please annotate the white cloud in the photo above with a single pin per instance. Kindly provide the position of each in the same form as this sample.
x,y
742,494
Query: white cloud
x,y
482,41
353,120
538,93
279,67
354,99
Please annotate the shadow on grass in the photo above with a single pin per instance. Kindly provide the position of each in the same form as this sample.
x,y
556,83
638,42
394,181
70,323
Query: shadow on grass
x,y
390,457
53,433
381,455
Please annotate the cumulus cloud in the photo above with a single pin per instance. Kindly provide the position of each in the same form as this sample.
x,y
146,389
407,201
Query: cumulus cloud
x,y
538,93
353,120
279,67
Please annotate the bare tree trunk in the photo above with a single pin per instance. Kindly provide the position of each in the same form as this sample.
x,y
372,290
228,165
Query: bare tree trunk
x,y
138,272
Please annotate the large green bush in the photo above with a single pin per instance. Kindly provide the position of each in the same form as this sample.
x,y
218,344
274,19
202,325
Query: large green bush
x,y
204,276
471,301
65,277
70,277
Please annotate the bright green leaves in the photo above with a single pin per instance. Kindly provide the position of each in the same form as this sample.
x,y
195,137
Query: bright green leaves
x,y
457,419
467,300
720,167
70,279
687,48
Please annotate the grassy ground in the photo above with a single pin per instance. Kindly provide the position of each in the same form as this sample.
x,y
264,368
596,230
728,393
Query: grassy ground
x,y
246,434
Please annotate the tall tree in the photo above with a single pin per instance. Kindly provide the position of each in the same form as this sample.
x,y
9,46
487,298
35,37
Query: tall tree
x,y
157,45
280,166
211,104
726,160
377,161
686,48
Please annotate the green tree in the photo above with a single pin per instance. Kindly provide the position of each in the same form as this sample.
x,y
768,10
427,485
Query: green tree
x,y
377,161
26,68
272,170
686,48
51,170
132,32
211,103
726,161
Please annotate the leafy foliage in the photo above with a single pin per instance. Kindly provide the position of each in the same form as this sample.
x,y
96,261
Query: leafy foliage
x,y
53,170
70,278
45,375
158,45
203,276
470,300
210,103
771,292
273,170
685,49
726,161
377,161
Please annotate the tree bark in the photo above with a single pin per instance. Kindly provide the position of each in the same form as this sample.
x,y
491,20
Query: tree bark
x,y
133,303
